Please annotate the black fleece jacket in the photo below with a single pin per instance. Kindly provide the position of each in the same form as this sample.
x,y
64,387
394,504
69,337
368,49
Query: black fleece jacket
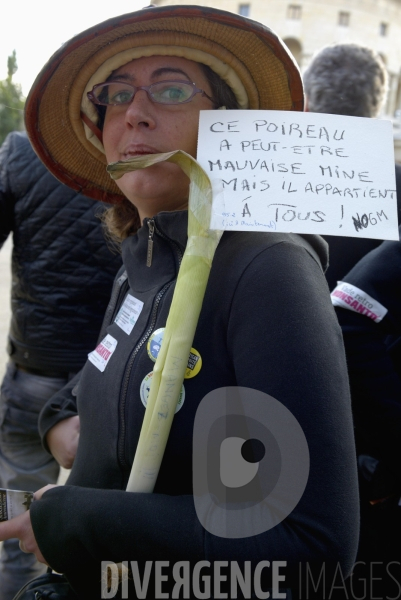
x,y
266,323
62,269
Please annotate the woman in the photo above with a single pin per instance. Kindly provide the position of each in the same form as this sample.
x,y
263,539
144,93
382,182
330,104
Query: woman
x,y
266,321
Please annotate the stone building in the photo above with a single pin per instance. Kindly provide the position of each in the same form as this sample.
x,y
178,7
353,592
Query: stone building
x,y
307,25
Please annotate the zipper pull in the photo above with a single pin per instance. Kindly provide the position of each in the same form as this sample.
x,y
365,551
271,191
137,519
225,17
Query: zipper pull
x,y
151,225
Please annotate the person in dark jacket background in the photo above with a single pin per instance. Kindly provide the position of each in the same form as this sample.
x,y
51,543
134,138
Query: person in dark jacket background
x,y
62,273
347,79
368,306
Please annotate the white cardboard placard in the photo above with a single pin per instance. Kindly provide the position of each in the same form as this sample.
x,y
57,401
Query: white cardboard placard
x,y
300,172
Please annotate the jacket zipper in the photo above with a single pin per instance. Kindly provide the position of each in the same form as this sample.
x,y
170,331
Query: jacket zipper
x,y
128,370
149,254
152,228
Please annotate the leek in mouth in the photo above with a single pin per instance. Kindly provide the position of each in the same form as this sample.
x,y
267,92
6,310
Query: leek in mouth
x,y
169,370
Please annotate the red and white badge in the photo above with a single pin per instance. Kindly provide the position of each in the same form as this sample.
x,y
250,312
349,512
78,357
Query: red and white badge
x,y
353,298
103,352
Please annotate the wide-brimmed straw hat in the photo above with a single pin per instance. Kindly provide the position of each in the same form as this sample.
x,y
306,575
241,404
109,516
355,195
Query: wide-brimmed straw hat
x,y
61,122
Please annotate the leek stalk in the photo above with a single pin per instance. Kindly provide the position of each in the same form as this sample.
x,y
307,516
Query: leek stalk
x,y
186,305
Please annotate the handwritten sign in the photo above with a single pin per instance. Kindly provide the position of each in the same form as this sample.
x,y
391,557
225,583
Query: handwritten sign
x,y
300,172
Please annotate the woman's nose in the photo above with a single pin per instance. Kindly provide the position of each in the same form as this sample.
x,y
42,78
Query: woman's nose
x,y
140,111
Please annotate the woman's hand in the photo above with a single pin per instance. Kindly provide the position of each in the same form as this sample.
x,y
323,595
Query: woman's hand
x,y
20,527
63,439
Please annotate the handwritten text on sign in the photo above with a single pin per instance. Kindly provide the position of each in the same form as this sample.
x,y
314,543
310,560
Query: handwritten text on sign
x,y
300,172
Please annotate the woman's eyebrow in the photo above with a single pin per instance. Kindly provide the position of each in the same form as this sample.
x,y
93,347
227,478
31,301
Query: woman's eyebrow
x,y
129,77
120,76
164,70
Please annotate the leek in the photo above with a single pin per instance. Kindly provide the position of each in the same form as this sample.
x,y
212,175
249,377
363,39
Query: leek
x,y
186,305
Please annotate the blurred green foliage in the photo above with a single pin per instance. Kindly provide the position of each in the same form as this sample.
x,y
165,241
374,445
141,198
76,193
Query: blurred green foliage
x,y
11,101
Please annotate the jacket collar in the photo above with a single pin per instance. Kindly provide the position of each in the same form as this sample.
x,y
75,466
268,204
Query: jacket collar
x,y
169,241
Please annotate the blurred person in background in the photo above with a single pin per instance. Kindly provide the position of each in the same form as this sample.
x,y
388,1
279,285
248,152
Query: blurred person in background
x,y
348,79
62,273
368,306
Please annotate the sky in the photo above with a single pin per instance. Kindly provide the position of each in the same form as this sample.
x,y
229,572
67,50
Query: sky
x,y
36,29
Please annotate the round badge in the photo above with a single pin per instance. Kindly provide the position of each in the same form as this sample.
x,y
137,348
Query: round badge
x,y
145,389
153,347
154,343
194,364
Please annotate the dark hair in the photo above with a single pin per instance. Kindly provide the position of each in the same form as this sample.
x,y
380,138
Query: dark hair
x,y
221,92
346,79
122,219
101,111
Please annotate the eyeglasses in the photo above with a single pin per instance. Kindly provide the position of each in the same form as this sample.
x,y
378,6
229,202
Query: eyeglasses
x,y
116,93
